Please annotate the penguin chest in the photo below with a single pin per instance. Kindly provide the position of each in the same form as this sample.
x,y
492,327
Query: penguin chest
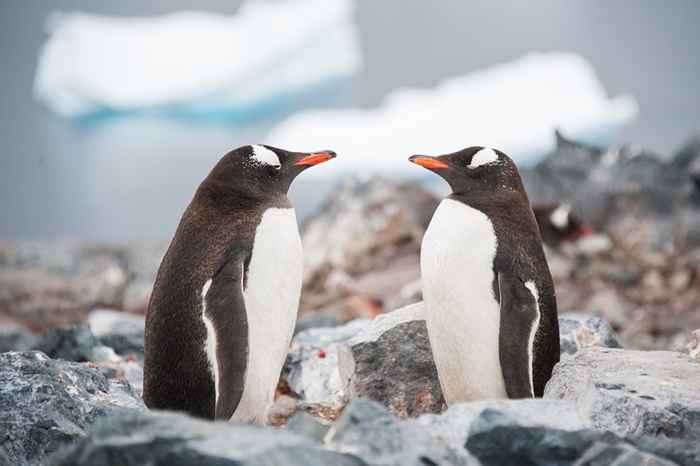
x,y
271,297
463,315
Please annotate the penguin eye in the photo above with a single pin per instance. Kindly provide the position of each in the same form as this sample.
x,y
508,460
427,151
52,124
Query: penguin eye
x,y
265,157
484,157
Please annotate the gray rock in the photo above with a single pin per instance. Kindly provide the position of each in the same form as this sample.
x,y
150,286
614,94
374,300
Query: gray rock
x,y
71,344
632,392
15,338
367,429
45,404
308,426
316,319
122,331
580,331
619,454
311,369
452,428
172,439
500,439
54,284
390,361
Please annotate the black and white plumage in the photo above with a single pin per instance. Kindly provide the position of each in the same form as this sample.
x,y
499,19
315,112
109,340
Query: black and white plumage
x,y
224,305
491,307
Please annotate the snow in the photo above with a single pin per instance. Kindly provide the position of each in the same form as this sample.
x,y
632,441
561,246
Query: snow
x,y
514,107
195,62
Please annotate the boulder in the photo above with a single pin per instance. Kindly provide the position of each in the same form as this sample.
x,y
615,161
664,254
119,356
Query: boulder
x,y
311,369
502,439
122,331
390,361
75,343
632,392
580,331
367,429
45,404
135,439
15,337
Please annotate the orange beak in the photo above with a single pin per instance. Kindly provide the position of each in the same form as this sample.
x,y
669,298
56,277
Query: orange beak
x,y
427,162
316,158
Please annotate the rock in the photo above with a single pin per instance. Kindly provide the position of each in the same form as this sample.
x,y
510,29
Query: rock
x,y
368,430
577,332
632,392
45,404
311,369
620,454
500,439
608,188
316,319
282,409
610,304
308,426
122,331
694,345
364,241
15,337
53,284
390,361
135,439
71,344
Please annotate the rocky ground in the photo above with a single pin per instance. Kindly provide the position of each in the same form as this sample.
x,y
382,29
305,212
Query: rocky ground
x,y
359,386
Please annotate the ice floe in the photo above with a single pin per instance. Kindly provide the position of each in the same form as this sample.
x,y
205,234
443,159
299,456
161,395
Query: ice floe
x,y
196,63
514,107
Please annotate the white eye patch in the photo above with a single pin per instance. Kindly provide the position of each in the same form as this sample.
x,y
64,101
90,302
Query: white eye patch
x,y
560,216
265,156
483,157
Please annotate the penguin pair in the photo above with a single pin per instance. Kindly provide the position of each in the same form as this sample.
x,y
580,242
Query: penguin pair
x,y
224,304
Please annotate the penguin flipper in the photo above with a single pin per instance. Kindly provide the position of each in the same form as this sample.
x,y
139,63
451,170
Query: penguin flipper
x,y
519,319
226,309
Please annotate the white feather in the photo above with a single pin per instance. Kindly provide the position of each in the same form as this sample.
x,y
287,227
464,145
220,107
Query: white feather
x,y
560,216
265,156
483,157
210,342
271,299
463,316
530,285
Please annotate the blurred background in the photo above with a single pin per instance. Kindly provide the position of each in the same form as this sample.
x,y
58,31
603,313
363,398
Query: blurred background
x,y
129,177
113,112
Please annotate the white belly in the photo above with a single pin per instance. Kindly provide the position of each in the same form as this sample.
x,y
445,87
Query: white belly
x,y
271,300
463,316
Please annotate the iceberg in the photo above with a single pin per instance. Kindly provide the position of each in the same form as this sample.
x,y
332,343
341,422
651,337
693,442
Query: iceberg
x,y
196,63
514,107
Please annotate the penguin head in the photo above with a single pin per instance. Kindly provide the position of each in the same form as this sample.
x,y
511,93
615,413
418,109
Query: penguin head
x,y
264,170
473,169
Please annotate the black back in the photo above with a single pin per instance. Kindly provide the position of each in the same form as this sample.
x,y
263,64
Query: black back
x,y
213,241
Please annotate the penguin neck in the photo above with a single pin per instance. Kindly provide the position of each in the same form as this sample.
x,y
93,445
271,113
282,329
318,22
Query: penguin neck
x,y
240,198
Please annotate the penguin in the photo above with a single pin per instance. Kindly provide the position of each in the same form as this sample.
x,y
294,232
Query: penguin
x,y
490,303
558,224
223,308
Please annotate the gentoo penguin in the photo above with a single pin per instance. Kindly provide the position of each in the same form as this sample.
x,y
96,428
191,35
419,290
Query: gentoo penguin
x,y
224,304
491,309
558,224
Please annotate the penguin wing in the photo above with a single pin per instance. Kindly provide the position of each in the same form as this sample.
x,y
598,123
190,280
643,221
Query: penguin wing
x,y
225,309
519,322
